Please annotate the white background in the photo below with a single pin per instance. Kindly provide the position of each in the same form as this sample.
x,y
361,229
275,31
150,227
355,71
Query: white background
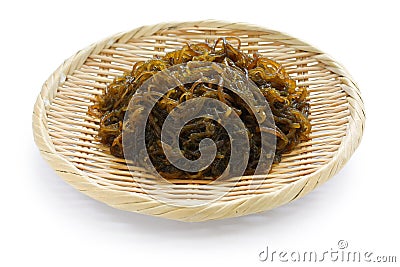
x,y
46,222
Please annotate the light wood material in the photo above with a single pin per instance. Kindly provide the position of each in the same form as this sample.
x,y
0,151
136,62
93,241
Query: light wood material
x,y
65,134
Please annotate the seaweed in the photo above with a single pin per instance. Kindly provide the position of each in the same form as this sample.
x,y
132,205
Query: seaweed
x,y
288,104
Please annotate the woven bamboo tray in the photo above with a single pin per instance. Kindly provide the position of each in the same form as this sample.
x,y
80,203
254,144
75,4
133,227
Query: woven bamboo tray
x,y
65,134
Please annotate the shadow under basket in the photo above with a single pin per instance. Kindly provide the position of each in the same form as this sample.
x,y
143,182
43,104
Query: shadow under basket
x,y
66,134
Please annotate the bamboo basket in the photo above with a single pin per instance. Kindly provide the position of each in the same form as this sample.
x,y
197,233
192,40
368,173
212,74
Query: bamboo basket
x,y
65,134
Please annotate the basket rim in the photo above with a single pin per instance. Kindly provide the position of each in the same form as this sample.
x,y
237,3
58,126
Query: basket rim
x,y
215,210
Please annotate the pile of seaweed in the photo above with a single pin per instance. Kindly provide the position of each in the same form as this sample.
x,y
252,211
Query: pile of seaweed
x,y
287,103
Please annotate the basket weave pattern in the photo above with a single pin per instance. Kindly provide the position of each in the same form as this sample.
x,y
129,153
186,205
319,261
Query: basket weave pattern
x,y
66,135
